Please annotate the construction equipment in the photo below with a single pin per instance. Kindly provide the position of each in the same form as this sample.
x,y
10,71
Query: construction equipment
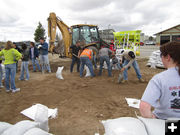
x,y
88,35
128,40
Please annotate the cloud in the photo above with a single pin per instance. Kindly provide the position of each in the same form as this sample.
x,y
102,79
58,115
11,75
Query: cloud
x,y
84,5
19,19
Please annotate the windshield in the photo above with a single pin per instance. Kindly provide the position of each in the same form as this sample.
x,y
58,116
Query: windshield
x,y
75,35
85,35
94,34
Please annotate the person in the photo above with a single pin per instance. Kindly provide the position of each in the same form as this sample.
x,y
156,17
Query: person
x,y
104,53
43,50
1,73
163,90
19,50
127,59
34,54
25,63
75,58
111,47
11,55
85,59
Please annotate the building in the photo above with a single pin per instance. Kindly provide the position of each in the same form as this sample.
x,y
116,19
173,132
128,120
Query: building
x,y
168,35
107,35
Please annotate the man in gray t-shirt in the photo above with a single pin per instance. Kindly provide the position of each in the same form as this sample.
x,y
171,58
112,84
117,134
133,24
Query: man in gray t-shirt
x,y
104,56
163,93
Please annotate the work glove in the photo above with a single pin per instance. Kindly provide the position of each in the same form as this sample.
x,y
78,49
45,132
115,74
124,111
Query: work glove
x,y
39,46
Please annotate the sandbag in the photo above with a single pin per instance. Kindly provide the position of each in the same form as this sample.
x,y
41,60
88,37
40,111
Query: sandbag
x,y
59,73
37,131
4,126
31,112
153,126
132,102
20,128
87,72
124,126
41,117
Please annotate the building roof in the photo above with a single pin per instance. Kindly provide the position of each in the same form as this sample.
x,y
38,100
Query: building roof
x,y
167,29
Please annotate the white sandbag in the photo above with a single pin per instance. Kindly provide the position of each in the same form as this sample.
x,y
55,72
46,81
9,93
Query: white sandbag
x,y
132,102
87,72
41,117
153,126
31,112
59,73
124,126
20,128
4,126
37,131
153,65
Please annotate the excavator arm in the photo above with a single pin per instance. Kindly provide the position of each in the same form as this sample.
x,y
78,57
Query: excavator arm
x,y
53,23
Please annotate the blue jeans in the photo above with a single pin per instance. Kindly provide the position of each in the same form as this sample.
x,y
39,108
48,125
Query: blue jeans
x,y
1,75
34,63
86,61
75,60
24,68
94,62
10,74
45,63
102,59
136,68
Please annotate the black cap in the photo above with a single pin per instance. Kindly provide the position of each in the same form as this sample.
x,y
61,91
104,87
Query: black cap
x,y
131,54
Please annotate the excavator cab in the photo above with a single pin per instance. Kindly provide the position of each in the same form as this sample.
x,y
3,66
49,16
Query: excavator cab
x,y
88,35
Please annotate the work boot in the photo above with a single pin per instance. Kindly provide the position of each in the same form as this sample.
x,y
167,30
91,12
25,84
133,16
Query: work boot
x,y
141,80
124,81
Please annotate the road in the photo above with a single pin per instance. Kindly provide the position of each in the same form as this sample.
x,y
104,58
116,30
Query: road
x,y
145,51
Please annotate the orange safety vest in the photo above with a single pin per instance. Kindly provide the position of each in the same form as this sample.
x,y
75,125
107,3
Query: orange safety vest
x,y
86,52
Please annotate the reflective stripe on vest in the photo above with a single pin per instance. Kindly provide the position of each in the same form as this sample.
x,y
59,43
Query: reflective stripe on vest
x,y
86,52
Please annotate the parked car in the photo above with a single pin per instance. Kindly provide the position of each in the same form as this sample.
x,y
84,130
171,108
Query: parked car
x,y
150,43
141,43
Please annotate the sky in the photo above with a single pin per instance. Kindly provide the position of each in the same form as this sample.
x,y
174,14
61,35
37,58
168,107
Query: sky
x,y
19,18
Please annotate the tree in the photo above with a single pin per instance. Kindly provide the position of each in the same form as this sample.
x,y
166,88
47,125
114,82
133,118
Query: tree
x,y
151,38
39,32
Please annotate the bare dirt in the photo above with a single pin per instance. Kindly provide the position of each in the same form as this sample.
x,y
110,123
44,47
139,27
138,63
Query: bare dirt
x,y
82,102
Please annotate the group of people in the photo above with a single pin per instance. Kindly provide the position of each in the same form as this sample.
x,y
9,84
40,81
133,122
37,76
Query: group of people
x,y
163,90
12,54
86,57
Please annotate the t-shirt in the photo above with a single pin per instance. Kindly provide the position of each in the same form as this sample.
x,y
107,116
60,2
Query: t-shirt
x,y
104,52
32,52
75,49
163,93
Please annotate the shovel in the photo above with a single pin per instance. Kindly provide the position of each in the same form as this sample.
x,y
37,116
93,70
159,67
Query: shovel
x,y
120,77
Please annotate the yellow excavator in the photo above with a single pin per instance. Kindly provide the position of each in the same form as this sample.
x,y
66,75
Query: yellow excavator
x,y
88,35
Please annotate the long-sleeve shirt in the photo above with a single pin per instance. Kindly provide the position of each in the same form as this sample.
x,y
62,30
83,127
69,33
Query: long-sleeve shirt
x,y
44,49
11,56
127,57
104,52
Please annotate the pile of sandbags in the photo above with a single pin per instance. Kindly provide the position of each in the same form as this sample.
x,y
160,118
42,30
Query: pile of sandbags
x,y
155,60
39,113
134,126
25,127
